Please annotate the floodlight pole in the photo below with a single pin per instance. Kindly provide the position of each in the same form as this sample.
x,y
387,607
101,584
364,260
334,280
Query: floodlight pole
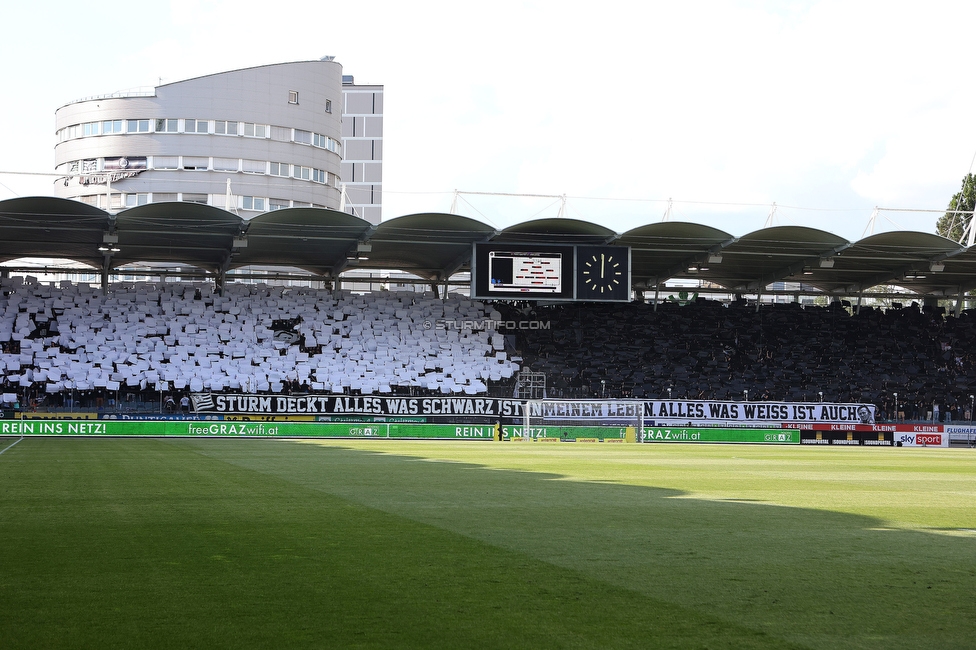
x,y
896,406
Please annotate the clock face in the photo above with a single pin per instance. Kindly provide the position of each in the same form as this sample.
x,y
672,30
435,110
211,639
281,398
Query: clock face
x,y
601,275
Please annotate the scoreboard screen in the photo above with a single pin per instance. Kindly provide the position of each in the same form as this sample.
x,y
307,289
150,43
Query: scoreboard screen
x,y
527,271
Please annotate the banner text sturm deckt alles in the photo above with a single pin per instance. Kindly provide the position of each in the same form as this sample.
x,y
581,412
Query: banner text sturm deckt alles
x,y
365,405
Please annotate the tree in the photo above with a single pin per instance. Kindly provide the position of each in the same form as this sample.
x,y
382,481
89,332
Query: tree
x,y
952,224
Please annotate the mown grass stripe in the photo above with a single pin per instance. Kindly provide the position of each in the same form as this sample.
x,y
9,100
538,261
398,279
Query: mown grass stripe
x,y
821,576
151,543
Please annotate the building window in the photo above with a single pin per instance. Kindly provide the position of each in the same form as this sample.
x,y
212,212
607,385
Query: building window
x,y
195,163
194,198
280,169
132,200
167,126
304,173
112,126
195,126
166,162
292,96
277,204
255,130
254,166
137,126
253,203
328,106
225,128
302,137
89,128
320,176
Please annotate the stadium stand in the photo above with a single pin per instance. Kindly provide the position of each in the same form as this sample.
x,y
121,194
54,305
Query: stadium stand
x,y
706,350
72,346
144,338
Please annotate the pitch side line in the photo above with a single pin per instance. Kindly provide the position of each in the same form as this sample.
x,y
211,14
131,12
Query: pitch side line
x,y
11,444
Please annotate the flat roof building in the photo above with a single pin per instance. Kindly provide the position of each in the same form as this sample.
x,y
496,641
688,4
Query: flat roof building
x,y
249,141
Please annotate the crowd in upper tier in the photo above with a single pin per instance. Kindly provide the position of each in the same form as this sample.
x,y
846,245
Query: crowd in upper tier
x,y
706,350
253,338
152,338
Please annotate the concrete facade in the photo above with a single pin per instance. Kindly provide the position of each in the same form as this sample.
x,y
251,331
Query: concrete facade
x,y
274,132
362,145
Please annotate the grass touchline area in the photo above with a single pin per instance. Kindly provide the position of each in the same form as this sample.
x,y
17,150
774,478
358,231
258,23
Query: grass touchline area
x,y
273,543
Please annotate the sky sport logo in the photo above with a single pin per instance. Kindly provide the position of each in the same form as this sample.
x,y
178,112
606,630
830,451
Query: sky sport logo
x,y
485,324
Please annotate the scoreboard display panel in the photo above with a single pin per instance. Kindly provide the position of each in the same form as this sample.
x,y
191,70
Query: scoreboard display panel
x,y
550,272
526,271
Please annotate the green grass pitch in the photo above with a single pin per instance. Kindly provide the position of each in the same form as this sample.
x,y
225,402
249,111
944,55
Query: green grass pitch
x,y
206,543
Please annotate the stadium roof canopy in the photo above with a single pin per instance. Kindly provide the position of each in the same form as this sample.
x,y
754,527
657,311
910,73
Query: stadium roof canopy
x,y
435,246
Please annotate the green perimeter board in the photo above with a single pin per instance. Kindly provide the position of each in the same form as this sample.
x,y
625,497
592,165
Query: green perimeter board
x,y
183,428
379,430
676,434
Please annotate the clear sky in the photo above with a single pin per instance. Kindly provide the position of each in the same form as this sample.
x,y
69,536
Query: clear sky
x,y
827,109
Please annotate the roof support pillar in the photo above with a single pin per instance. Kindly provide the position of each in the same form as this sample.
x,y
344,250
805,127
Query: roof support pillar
x,y
106,267
657,293
219,279
960,298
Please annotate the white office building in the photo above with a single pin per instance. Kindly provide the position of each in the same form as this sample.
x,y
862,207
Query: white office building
x,y
249,141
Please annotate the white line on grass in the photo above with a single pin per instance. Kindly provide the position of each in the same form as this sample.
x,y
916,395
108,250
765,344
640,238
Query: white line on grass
x,y
11,444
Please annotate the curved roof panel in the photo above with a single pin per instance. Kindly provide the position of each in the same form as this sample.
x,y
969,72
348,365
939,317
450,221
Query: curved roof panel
x,y
196,234
314,239
430,245
902,258
45,226
769,255
556,231
662,250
